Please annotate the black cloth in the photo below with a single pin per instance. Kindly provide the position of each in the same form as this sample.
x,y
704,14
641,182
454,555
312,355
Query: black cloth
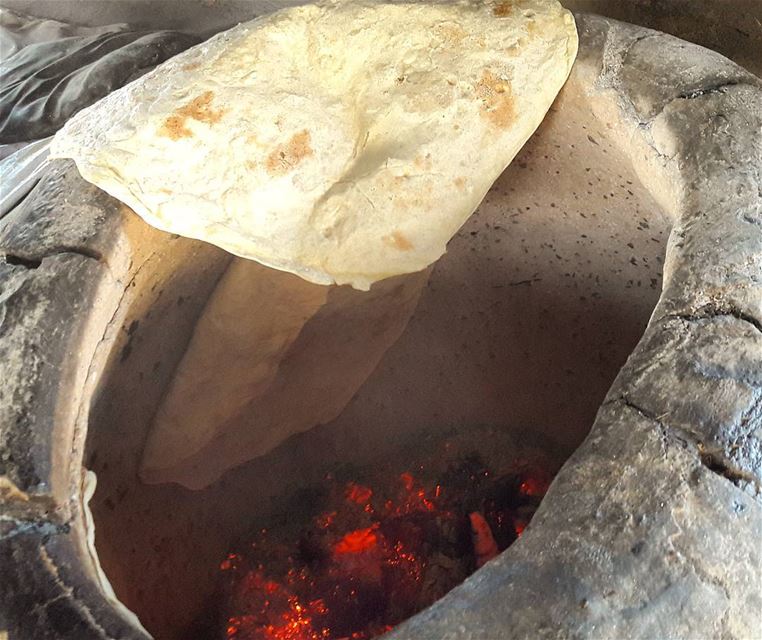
x,y
43,85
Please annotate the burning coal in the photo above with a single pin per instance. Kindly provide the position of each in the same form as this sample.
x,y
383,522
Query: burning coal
x,y
376,552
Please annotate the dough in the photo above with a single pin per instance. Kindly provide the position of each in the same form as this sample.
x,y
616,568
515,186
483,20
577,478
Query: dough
x,y
271,355
345,141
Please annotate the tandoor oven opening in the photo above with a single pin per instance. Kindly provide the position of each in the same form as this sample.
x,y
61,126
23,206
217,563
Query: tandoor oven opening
x,y
441,456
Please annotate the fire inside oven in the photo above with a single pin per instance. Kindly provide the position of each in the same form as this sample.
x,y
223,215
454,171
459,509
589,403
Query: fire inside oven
x,y
366,548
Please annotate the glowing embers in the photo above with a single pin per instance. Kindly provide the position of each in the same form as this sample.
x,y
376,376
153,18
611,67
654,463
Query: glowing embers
x,y
360,557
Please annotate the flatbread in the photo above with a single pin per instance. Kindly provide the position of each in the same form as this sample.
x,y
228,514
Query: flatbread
x,y
271,356
345,142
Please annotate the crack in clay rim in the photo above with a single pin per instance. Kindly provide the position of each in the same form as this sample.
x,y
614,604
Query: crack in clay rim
x,y
657,427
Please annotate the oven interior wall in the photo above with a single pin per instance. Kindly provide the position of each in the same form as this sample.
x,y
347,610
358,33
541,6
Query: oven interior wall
x,y
525,322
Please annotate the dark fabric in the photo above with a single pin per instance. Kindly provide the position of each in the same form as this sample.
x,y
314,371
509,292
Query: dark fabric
x,y
44,84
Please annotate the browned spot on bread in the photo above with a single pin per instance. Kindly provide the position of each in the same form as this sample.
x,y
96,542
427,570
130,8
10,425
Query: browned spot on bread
x,y
497,99
200,109
503,9
174,128
460,182
451,34
286,156
192,66
398,241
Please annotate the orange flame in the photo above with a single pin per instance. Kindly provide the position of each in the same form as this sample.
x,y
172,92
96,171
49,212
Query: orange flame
x,y
357,541
358,493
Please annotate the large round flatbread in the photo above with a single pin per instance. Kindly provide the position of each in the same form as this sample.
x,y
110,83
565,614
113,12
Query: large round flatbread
x,y
344,141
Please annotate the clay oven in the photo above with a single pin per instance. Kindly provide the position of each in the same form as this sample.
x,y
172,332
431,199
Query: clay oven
x,y
603,305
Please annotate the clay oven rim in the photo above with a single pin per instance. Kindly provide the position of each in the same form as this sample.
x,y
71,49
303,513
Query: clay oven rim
x,y
665,454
